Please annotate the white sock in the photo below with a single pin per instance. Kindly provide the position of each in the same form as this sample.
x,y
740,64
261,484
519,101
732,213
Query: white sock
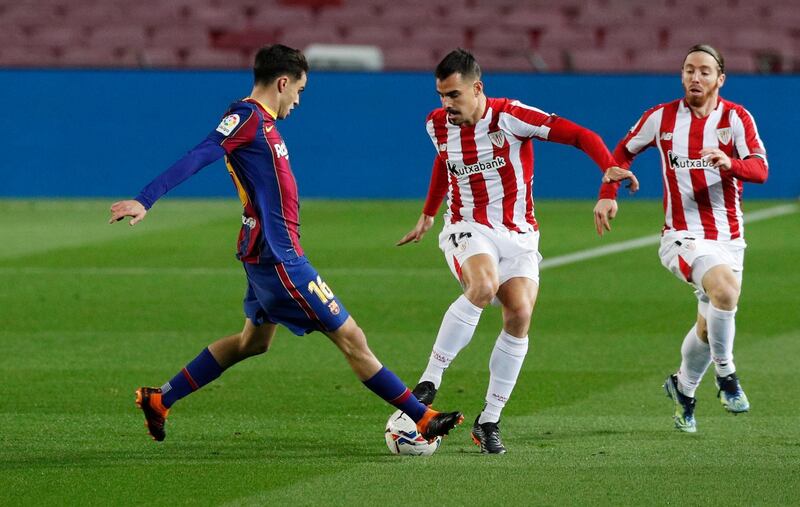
x,y
721,331
504,366
696,356
458,326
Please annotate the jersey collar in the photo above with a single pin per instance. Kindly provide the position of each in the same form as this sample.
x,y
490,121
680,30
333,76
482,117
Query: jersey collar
x,y
267,110
685,105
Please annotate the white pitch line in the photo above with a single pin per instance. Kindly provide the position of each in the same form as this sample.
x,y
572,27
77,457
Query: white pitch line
x,y
600,251
622,246
560,260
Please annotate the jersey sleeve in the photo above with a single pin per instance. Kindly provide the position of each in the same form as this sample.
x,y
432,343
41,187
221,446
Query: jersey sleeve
x,y
437,190
237,128
640,137
753,166
431,130
197,158
566,132
753,169
526,122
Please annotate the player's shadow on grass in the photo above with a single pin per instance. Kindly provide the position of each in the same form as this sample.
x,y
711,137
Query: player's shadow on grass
x,y
573,434
195,453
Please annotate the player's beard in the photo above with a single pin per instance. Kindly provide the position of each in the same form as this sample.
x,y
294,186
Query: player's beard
x,y
701,100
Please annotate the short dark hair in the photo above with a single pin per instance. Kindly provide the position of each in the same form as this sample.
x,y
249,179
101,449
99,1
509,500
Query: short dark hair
x,y
277,60
705,48
461,61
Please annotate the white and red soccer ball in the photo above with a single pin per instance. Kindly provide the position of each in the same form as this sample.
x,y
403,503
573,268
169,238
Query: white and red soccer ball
x,y
402,437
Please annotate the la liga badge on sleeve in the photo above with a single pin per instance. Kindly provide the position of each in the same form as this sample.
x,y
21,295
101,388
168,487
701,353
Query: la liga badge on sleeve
x,y
227,124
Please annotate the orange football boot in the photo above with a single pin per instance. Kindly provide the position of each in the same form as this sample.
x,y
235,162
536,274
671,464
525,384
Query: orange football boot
x,y
155,414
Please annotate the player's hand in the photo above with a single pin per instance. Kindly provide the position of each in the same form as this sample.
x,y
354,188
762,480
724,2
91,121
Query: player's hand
x,y
615,173
604,212
424,224
717,158
129,208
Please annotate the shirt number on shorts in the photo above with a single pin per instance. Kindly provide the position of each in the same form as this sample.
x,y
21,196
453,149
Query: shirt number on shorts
x,y
321,289
456,238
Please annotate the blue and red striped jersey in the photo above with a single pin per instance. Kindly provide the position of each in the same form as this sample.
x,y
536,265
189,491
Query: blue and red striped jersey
x,y
258,162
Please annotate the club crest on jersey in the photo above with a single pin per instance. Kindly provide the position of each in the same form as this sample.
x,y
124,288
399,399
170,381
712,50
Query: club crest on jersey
x,y
443,147
333,306
724,135
227,124
498,138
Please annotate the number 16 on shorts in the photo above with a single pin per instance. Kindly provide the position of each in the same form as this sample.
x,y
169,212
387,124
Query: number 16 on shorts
x,y
320,289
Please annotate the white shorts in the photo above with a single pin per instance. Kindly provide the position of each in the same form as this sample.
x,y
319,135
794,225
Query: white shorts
x,y
690,258
516,254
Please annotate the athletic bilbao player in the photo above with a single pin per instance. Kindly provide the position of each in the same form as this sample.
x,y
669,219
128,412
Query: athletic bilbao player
x,y
708,147
484,164
282,286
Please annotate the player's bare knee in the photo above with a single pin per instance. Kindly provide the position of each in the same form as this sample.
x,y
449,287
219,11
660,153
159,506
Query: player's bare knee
x,y
517,325
518,307
481,292
519,314
724,296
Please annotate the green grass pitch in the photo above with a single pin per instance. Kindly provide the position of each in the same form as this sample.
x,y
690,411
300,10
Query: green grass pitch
x,y
90,311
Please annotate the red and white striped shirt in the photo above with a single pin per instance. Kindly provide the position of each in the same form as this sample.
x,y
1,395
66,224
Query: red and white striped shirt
x,y
486,169
698,197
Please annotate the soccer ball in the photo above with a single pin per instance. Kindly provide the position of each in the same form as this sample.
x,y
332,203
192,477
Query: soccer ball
x,y
402,437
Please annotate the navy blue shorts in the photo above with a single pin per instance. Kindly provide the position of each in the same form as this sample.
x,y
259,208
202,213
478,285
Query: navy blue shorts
x,y
292,294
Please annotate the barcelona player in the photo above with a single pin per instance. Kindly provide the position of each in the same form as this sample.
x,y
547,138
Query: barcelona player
x,y
708,148
282,286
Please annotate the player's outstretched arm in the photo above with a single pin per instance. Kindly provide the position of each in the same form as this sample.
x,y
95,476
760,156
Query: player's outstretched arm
x,y
606,208
200,156
128,208
424,224
436,192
